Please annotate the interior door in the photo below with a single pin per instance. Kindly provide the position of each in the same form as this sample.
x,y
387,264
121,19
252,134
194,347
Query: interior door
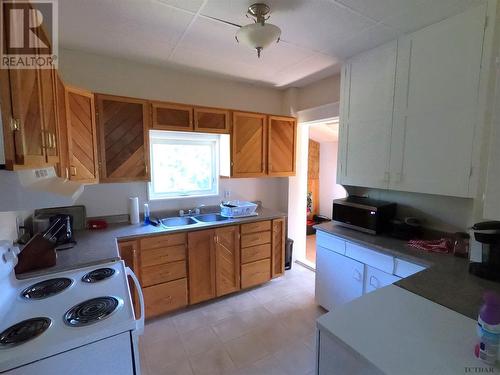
x,y
249,145
436,109
339,279
281,146
82,140
366,117
123,125
201,265
227,258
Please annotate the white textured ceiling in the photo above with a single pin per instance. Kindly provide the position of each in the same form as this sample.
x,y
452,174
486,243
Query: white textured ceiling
x,y
317,35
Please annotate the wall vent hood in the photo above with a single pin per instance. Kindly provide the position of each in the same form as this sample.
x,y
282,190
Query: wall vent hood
x,y
35,188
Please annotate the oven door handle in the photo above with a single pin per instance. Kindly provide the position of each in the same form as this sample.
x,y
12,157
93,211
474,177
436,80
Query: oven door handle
x,y
139,323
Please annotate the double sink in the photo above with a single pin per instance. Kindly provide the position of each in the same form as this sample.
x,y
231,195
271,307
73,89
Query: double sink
x,y
181,221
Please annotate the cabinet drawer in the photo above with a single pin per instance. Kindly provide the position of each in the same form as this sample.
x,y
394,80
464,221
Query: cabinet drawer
x,y
162,273
165,297
403,269
162,255
255,273
370,257
154,242
259,226
255,239
251,254
330,242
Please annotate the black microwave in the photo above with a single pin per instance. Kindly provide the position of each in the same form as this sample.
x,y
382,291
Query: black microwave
x,y
363,214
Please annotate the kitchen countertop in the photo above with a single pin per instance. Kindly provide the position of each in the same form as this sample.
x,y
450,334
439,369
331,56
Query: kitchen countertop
x,y
399,332
100,246
446,280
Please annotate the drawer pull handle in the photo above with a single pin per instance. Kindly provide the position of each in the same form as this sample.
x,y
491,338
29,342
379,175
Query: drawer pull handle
x,y
168,299
374,282
356,275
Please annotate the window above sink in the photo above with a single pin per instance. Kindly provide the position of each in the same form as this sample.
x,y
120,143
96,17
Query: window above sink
x,y
184,164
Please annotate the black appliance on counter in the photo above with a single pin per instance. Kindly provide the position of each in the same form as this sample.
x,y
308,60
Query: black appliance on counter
x,y
488,235
363,214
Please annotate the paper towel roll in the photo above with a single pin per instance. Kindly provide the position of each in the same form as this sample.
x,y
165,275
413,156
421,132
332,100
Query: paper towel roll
x,y
133,210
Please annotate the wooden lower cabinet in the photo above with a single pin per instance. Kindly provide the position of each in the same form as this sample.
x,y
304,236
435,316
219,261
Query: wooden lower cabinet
x,y
162,298
255,273
253,253
227,260
201,261
176,270
278,248
162,273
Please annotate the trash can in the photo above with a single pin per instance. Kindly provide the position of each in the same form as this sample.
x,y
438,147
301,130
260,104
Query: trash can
x,y
288,253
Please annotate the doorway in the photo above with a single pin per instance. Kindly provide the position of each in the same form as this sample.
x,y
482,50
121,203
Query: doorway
x,y
314,187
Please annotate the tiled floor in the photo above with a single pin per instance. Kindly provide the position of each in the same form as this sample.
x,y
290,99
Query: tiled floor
x,y
311,248
268,330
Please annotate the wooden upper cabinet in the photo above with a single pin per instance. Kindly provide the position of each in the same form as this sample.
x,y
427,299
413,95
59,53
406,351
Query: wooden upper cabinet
x,y
62,127
49,115
27,122
122,125
281,146
249,145
278,248
170,116
82,140
227,259
211,120
201,265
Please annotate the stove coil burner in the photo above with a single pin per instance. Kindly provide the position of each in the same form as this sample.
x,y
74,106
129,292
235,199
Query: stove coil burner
x,y
98,275
90,311
24,331
46,288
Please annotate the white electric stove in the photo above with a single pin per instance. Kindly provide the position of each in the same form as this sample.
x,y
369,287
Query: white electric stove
x,y
75,322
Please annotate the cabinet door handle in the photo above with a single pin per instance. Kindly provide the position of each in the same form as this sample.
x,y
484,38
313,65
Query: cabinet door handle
x,y
73,170
54,142
356,275
374,282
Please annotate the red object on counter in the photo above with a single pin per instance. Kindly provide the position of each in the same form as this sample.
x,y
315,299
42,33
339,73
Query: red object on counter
x,y
97,224
444,245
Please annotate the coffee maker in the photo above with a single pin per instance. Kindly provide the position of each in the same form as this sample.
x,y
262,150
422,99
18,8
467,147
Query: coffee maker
x,y
487,234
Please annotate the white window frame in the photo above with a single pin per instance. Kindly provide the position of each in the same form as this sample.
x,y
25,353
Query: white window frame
x,y
172,137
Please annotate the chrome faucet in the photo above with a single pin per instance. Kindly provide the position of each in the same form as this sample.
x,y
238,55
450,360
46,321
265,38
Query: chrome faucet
x,y
191,211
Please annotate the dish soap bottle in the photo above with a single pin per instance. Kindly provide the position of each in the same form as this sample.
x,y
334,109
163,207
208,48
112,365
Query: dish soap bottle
x,y
488,329
146,214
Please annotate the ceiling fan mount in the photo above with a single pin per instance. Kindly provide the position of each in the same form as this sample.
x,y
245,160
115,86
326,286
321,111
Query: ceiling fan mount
x,y
259,11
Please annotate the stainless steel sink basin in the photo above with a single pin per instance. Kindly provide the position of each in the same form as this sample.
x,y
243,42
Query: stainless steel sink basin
x,y
210,218
170,222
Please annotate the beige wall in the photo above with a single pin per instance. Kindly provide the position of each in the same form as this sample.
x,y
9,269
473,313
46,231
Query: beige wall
x,y
325,91
121,77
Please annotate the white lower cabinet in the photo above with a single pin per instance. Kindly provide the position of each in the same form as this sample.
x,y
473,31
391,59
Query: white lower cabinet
x,y
335,357
375,279
339,279
343,278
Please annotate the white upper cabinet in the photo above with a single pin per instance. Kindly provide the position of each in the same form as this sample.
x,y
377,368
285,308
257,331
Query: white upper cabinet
x,y
409,110
436,104
366,117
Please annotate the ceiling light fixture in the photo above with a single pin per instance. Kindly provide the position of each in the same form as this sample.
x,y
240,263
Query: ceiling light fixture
x,y
259,34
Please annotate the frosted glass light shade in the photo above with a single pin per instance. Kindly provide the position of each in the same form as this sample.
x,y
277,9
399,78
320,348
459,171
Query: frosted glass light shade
x,y
258,36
